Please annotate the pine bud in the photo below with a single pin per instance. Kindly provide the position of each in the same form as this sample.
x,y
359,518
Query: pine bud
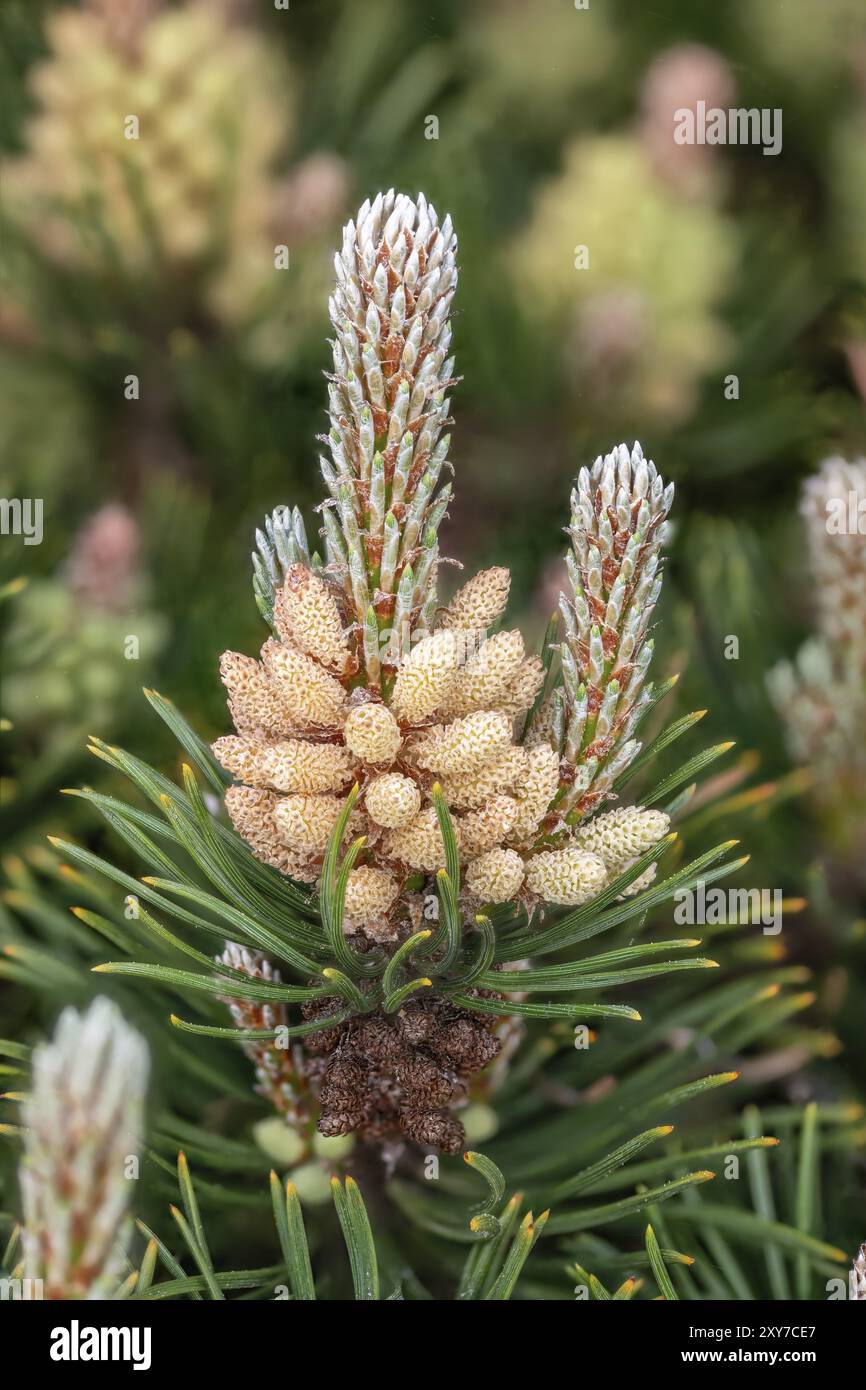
x,y
568,877
277,1078
102,570
837,553
821,695
618,511
82,1126
495,877
396,277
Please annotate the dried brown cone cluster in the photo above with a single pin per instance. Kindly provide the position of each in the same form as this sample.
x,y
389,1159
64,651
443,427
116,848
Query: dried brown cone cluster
x,y
398,1076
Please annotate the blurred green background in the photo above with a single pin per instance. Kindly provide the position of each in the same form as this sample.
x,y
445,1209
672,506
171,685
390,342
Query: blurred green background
x,y
721,319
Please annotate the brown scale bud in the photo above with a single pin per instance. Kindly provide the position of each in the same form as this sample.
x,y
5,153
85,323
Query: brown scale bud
x,y
424,1084
333,1123
379,1126
324,1042
314,1069
434,1129
466,1043
417,1022
379,1039
344,1083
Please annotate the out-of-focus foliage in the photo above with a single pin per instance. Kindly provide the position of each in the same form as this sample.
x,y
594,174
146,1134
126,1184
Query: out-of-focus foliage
x,y
158,352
